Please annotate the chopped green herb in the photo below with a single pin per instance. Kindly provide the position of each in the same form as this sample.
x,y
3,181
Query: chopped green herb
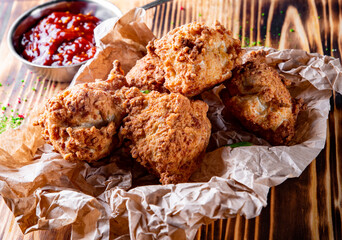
x,y
23,80
3,124
281,11
145,91
3,108
247,41
262,14
319,17
33,89
278,34
45,88
200,14
292,30
13,122
0,85
240,144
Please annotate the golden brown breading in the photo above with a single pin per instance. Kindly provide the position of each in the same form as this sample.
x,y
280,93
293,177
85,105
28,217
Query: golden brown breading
x,y
258,97
147,75
81,121
188,60
167,133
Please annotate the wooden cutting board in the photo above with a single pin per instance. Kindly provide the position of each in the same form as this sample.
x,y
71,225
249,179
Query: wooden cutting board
x,y
308,207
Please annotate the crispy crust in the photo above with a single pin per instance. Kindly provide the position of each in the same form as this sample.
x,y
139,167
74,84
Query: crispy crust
x,y
81,121
147,74
166,133
257,95
188,60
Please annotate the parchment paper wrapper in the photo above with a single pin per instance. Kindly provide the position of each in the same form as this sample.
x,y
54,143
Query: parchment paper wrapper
x,y
112,199
123,39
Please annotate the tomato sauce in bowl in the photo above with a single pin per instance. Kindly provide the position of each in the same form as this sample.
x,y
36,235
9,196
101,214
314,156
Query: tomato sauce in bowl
x,y
61,39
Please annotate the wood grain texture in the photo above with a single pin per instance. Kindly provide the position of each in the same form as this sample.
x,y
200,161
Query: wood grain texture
x,y
308,207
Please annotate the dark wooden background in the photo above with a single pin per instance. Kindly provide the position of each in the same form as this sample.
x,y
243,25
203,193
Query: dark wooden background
x,y
308,207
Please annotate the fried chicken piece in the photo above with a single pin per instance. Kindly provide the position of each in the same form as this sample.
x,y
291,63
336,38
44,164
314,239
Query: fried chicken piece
x,y
81,121
188,60
147,74
257,95
167,133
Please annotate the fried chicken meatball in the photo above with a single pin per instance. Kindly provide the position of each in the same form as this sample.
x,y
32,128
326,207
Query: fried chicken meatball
x,y
257,95
81,121
167,133
188,60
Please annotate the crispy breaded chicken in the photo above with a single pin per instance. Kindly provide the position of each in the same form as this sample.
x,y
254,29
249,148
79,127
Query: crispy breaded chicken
x,y
188,60
166,133
147,74
257,96
81,121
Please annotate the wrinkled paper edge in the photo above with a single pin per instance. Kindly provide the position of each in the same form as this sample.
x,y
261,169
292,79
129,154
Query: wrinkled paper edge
x,y
176,211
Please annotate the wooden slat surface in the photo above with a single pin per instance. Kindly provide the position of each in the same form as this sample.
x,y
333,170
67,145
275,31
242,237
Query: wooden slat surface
x,y
308,207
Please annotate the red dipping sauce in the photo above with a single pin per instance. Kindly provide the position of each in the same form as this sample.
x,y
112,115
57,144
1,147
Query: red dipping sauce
x,y
61,39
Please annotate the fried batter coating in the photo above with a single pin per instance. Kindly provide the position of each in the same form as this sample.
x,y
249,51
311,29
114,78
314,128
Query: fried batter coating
x,y
81,121
188,60
147,74
258,97
167,133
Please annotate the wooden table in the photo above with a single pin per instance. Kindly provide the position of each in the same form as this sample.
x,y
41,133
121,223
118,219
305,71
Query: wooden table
x,y
308,207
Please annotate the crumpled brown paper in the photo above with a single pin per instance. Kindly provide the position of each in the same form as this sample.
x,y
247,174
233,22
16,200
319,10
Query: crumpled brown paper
x,y
112,199
123,39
